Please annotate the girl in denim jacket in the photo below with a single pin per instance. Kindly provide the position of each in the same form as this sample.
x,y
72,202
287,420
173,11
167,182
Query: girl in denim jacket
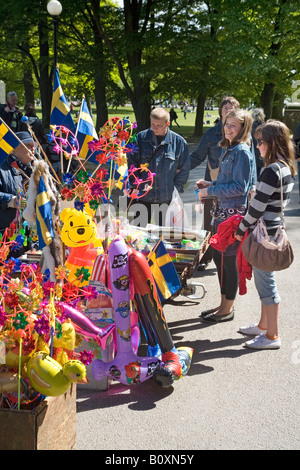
x,y
232,187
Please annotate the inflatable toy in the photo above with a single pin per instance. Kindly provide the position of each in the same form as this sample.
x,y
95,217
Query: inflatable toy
x,y
79,232
85,327
126,367
47,376
63,347
175,364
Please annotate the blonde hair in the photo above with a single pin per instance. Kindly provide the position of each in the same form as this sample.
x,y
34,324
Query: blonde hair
x,y
160,113
279,143
245,119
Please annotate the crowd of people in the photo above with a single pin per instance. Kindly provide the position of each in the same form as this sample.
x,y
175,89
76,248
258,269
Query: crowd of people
x,y
242,178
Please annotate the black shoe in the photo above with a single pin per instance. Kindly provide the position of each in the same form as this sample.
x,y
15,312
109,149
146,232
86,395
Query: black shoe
x,y
219,318
209,312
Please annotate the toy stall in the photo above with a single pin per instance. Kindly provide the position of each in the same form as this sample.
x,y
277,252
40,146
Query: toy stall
x,y
73,307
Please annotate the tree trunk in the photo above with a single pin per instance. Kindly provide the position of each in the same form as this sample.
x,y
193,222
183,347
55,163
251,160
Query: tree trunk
x,y
267,98
278,105
199,115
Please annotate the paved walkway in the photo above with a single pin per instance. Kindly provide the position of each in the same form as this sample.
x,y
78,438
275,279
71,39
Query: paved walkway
x,y
232,398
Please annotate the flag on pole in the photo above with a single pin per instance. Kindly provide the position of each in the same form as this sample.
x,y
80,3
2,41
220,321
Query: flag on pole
x,y
44,220
163,271
85,133
60,111
8,141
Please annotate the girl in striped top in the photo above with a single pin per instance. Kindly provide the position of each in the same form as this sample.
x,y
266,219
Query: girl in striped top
x,y
275,146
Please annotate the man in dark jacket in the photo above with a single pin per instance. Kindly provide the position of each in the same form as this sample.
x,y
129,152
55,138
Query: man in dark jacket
x,y
12,177
10,112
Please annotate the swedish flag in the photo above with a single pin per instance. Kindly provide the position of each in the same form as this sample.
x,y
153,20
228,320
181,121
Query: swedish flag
x,y
8,141
85,133
44,220
163,271
60,111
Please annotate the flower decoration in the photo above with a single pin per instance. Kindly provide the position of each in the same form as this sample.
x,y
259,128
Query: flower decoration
x,y
79,205
83,274
68,178
86,357
20,321
42,325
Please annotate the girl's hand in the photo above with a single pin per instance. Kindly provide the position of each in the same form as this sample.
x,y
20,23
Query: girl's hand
x,y
238,237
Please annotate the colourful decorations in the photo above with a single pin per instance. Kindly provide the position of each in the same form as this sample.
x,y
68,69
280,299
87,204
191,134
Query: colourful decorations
x,y
79,232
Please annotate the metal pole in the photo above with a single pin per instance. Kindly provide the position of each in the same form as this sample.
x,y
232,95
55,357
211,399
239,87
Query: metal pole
x,y
55,19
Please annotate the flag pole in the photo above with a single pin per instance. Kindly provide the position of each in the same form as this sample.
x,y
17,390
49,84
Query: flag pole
x,y
41,148
76,131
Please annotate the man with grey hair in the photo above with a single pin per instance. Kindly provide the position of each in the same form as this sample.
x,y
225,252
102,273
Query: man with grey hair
x,y
166,154
10,112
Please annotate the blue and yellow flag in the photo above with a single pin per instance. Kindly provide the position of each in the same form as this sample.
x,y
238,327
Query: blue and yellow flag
x,y
44,220
8,140
85,133
163,271
60,111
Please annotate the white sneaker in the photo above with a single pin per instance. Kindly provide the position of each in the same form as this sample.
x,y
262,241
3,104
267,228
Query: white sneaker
x,y
252,330
262,342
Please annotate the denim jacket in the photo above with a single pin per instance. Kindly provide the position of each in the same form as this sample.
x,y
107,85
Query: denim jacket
x,y
10,185
170,161
236,176
208,147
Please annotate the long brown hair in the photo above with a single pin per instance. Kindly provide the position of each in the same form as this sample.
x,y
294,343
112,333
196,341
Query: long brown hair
x,y
279,143
245,119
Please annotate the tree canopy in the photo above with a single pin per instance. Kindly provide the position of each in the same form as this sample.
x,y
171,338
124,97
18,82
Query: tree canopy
x,y
147,50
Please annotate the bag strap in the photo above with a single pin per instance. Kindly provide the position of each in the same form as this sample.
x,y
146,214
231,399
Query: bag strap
x,y
281,195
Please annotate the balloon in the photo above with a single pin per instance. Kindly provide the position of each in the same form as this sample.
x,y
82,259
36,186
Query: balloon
x,y
48,377
84,326
126,367
79,232
175,364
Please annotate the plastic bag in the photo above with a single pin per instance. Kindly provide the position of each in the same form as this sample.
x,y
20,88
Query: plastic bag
x,y
176,215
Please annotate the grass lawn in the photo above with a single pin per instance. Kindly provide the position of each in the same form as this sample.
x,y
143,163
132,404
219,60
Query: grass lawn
x,y
186,128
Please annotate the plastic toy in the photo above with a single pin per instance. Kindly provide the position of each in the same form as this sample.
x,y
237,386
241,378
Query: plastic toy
x,y
129,266
47,376
126,367
79,232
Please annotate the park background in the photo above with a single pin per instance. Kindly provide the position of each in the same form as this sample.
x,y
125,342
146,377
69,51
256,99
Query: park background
x,y
142,53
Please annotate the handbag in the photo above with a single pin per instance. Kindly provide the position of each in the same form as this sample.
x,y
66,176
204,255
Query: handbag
x,y
265,253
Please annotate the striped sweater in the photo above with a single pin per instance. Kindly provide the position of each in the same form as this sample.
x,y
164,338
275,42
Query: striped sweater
x,y
267,200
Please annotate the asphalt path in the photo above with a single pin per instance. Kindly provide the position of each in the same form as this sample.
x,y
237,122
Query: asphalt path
x,y
233,398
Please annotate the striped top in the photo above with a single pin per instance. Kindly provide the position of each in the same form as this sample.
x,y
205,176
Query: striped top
x,y
267,200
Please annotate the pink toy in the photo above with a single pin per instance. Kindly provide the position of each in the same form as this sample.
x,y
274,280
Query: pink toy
x,y
126,367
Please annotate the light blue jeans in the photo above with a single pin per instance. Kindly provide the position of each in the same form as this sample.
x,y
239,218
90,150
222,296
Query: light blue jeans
x,y
266,287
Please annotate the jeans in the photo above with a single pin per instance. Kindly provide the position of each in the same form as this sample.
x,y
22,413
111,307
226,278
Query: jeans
x,y
266,287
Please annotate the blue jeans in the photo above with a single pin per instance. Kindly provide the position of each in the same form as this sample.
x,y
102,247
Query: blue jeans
x,y
266,287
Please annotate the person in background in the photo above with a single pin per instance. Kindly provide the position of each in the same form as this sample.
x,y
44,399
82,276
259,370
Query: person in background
x,y
209,149
35,124
166,154
276,148
258,117
12,178
231,189
10,112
